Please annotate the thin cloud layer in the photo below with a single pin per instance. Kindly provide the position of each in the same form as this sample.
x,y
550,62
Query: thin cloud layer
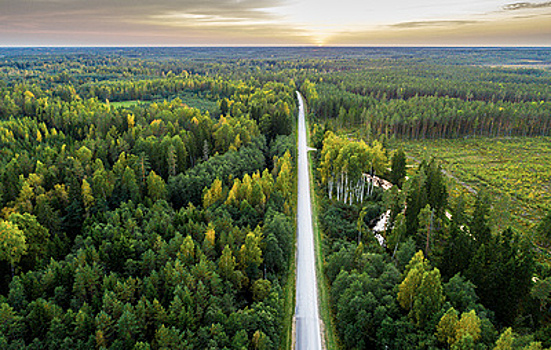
x,y
424,24
526,5
534,31
142,22
273,22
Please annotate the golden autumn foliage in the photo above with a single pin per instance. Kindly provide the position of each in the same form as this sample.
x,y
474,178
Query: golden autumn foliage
x,y
213,194
256,190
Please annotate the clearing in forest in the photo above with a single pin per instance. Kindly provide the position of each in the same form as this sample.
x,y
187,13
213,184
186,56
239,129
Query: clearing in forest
x,y
514,172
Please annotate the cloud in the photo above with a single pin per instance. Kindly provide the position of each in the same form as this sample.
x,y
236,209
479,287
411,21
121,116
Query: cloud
x,y
205,16
142,8
270,22
135,22
526,5
424,24
495,31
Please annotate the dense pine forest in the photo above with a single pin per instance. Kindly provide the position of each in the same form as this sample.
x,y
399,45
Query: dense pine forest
x,y
148,197
152,224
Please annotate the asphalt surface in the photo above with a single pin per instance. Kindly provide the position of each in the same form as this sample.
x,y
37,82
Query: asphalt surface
x,y
308,336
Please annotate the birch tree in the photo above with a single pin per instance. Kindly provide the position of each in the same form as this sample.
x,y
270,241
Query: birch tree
x,y
348,167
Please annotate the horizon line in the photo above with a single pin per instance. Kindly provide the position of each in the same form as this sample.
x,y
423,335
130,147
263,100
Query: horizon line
x,y
270,46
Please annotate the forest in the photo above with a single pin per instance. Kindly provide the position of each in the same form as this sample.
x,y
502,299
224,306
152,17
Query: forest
x,y
150,224
451,268
148,197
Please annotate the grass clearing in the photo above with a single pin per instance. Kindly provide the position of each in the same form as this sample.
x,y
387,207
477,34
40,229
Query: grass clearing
x,y
125,104
515,172
188,98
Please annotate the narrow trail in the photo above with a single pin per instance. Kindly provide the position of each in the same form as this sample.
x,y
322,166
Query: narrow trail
x,y
451,176
308,334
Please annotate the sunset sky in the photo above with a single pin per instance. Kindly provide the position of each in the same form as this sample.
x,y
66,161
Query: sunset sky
x,y
274,22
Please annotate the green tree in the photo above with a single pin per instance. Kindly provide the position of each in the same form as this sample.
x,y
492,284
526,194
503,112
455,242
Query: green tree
x,y
102,184
36,237
87,285
416,199
461,293
506,340
468,325
398,233
398,167
435,187
426,226
261,289
421,291
168,338
541,291
278,231
128,189
227,264
447,327
478,225
156,187
40,314
250,254
10,323
127,327
187,250
509,260
429,298
12,243
240,340
457,252
87,196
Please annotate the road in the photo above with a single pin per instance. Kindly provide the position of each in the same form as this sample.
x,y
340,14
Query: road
x,y
308,334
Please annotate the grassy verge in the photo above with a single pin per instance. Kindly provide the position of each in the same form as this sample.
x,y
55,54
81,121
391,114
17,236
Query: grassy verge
x,y
289,306
329,331
290,286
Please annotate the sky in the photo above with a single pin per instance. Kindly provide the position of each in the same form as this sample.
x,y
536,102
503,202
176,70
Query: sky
x,y
274,23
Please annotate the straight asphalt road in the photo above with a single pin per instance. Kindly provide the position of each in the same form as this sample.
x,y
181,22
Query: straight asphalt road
x,y
308,336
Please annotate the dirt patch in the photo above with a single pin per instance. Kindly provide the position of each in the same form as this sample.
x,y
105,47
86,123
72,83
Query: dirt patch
x,y
293,334
322,329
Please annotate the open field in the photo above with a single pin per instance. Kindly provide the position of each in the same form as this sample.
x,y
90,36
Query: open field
x,y
125,104
190,99
515,172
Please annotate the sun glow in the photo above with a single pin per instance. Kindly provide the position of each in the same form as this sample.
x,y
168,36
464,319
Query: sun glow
x,y
277,22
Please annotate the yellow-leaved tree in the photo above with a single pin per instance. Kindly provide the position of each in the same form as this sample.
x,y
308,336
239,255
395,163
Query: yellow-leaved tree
x,y
213,194
12,243
421,291
446,329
